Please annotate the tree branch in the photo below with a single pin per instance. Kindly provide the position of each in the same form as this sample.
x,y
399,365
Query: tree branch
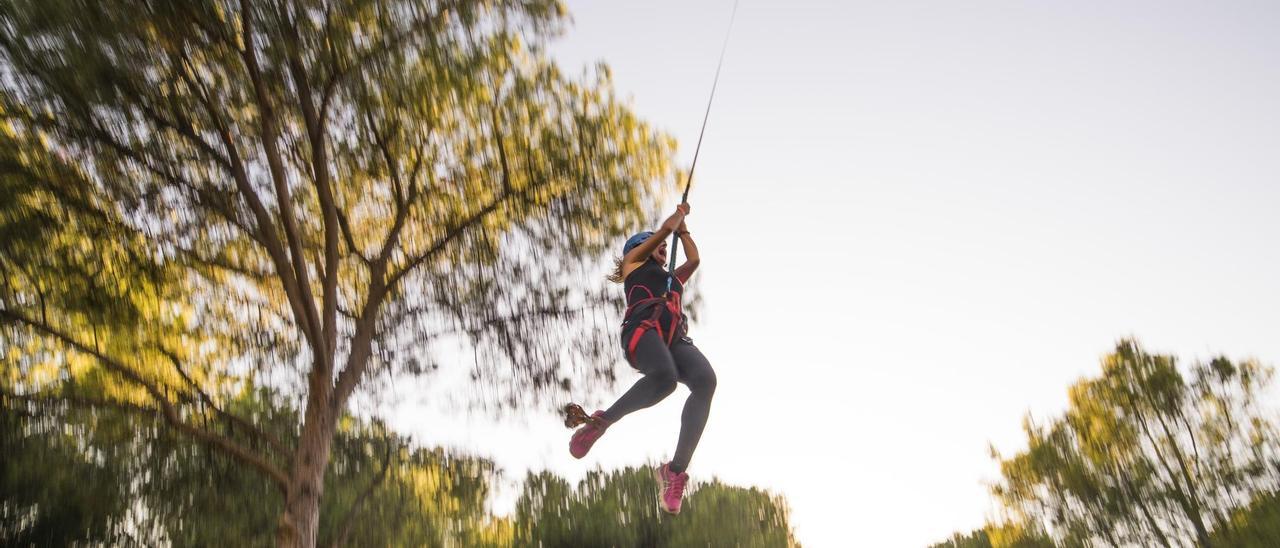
x,y
340,75
284,201
249,427
362,340
452,234
222,263
166,408
315,123
266,234
402,202
84,401
361,344
349,237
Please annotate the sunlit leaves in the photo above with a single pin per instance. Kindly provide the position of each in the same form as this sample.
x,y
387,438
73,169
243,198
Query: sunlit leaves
x,y
310,194
1144,456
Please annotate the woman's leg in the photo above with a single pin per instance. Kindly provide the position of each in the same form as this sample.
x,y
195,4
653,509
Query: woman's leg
x,y
695,372
654,360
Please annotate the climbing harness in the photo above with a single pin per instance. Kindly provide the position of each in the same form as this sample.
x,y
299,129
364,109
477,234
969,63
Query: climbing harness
x,y
669,302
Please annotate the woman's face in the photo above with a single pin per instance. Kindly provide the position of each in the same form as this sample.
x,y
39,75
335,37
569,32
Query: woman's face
x,y
660,254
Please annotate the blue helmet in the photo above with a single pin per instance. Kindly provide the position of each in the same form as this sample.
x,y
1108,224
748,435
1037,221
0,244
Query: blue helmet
x,y
635,240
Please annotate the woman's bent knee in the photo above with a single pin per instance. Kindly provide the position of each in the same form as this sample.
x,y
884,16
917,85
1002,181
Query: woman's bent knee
x,y
703,383
667,383
663,380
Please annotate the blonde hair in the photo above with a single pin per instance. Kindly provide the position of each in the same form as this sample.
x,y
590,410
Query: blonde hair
x,y
616,277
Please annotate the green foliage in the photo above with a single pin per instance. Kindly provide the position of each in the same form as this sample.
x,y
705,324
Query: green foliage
x,y
1012,535
53,492
118,477
422,166
975,539
620,508
1257,526
202,195
1005,535
1147,455
723,515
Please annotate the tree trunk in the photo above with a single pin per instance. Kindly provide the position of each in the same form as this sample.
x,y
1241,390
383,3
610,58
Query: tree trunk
x,y
300,524
1142,505
1191,499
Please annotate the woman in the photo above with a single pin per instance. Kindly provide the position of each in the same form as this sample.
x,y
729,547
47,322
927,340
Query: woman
x,y
653,337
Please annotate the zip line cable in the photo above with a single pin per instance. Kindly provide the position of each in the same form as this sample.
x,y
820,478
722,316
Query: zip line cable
x,y
684,198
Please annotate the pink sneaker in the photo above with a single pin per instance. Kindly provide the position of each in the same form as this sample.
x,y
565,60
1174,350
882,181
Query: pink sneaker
x,y
671,488
587,435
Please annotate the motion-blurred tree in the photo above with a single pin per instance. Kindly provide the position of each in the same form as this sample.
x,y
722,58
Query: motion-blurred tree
x,y
1007,535
116,477
1257,526
52,492
975,539
93,476
1144,456
620,508
308,192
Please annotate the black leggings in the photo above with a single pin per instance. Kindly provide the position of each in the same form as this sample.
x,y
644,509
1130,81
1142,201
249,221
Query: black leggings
x,y
662,367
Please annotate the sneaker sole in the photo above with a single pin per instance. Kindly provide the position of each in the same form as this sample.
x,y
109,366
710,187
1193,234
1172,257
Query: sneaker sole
x,y
657,475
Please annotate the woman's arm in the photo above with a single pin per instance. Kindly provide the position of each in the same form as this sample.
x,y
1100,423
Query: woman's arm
x,y
692,260
641,253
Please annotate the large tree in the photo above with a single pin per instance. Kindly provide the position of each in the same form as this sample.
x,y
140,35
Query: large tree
x,y
308,192
1149,455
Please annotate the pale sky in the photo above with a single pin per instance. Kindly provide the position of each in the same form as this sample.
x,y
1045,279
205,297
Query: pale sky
x,y
920,221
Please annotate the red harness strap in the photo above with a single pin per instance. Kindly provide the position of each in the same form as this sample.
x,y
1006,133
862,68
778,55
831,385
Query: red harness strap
x,y
672,304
